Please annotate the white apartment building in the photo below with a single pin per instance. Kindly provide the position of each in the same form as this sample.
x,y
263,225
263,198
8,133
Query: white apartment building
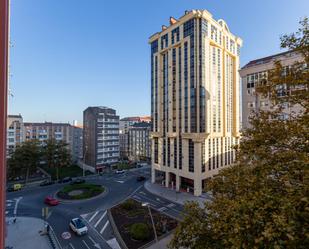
x,y
256,71
194,100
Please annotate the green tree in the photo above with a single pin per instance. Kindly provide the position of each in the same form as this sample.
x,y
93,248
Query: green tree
x,y
25,159
262,201
56,154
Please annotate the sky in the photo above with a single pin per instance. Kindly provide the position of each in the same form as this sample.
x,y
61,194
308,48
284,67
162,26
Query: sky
x,y
66,55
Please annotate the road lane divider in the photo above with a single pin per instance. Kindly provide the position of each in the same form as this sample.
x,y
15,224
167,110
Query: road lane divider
x,y
97,223
94,215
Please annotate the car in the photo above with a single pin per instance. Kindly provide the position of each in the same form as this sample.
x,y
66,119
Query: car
x,y
65,180
77,181
140,178
51,201
46,183
15,187
78,226
120,171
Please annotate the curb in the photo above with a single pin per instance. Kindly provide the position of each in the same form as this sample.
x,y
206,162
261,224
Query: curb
x,y
103,194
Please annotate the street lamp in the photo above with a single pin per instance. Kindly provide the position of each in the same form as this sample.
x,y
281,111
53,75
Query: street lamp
x,y
146,204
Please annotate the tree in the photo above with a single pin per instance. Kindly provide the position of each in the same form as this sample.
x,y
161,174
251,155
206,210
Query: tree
x,y
56,154
262,201
25,159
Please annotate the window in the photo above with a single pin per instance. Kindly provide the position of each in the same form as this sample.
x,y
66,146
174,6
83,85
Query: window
x,y
191,155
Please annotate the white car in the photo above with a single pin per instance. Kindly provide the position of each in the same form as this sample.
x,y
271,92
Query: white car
x,y
78,226
120,171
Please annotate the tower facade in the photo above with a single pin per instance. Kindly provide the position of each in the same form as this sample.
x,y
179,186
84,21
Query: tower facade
x,y
194,100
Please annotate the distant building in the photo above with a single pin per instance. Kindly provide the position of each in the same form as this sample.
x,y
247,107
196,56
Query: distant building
x,y
77,146
124,125
256,71
194,100
101,137
15,132
139,141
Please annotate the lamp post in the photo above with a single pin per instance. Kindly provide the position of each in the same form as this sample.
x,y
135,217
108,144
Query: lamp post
x,y
146,204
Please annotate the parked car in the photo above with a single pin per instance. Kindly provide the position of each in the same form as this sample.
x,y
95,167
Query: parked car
x,y
140,178
46,183
51,201
77,181
65,180
120,171
15,187
78,226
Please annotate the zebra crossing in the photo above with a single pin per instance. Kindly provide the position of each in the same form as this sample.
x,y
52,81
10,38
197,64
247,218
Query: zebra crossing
x,y
99,221
11,206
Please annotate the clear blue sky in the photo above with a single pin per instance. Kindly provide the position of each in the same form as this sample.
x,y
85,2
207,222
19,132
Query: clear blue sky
x,y
67,55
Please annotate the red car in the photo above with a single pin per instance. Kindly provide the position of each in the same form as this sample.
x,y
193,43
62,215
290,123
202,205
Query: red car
x,y
51,201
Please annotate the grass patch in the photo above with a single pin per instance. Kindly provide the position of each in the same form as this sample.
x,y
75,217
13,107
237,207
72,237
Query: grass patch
x,y
72,171
124,166
87,191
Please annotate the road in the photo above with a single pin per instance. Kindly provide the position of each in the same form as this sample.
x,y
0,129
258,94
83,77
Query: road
x,y
29,202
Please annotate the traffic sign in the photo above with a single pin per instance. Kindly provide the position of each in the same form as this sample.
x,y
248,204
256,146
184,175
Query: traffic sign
x,y
66,235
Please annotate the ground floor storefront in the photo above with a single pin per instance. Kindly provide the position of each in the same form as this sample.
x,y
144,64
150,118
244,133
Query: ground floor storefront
x,y
177,182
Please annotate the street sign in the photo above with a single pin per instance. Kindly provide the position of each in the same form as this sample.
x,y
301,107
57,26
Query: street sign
x,y
66,235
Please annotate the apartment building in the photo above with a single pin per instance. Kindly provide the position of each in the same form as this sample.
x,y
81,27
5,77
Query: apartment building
x,y
124,126
77,143
48,130
101,137
139,141
194,100
256,71
15,132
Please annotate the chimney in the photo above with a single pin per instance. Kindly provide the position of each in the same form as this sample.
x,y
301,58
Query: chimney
x,y
164,27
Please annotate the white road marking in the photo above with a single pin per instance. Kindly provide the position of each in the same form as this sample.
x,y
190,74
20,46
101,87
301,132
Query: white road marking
x,y
94,215
86,244
72,246
96,224
141,192
9,204
171,205
162,209
95,244
120,181
113,243
102,230
84,216
136,197
9,201
16,204
92,240
6,212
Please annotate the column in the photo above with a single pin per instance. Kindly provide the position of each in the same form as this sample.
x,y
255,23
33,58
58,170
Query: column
x,y
167,179
197,187
177,182
153,175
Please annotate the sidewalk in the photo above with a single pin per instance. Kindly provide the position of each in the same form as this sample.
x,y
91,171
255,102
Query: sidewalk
x,y
24,234
162,244
172,195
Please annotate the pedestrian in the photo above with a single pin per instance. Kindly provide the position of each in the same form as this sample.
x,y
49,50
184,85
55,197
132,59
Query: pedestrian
x,y
14,221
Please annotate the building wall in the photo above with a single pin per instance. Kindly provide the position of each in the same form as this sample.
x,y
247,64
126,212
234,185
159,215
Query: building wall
x,y
101,136
139,142
194,100
252,74
77,146
15,130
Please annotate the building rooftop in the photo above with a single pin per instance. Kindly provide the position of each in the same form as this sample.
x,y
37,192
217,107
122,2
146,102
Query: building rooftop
x,y
141,125
267,59
45,123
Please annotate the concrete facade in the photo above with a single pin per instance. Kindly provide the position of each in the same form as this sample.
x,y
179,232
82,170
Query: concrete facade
x,y
139,141
15,132
256,71
194,100
101,137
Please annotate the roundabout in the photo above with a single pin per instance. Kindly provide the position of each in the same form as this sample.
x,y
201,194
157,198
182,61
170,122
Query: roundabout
x,y
82,191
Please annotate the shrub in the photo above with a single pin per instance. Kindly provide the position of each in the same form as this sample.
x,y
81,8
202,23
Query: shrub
x,y
128,205
139,231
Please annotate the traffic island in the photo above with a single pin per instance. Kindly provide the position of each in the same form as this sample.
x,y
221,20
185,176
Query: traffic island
x,y
80,191
133,224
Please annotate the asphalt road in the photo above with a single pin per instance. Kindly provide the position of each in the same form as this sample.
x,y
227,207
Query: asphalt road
x,y
29,202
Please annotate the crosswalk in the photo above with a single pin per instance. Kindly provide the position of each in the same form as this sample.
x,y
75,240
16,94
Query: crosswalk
x,y
11,206
99,221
